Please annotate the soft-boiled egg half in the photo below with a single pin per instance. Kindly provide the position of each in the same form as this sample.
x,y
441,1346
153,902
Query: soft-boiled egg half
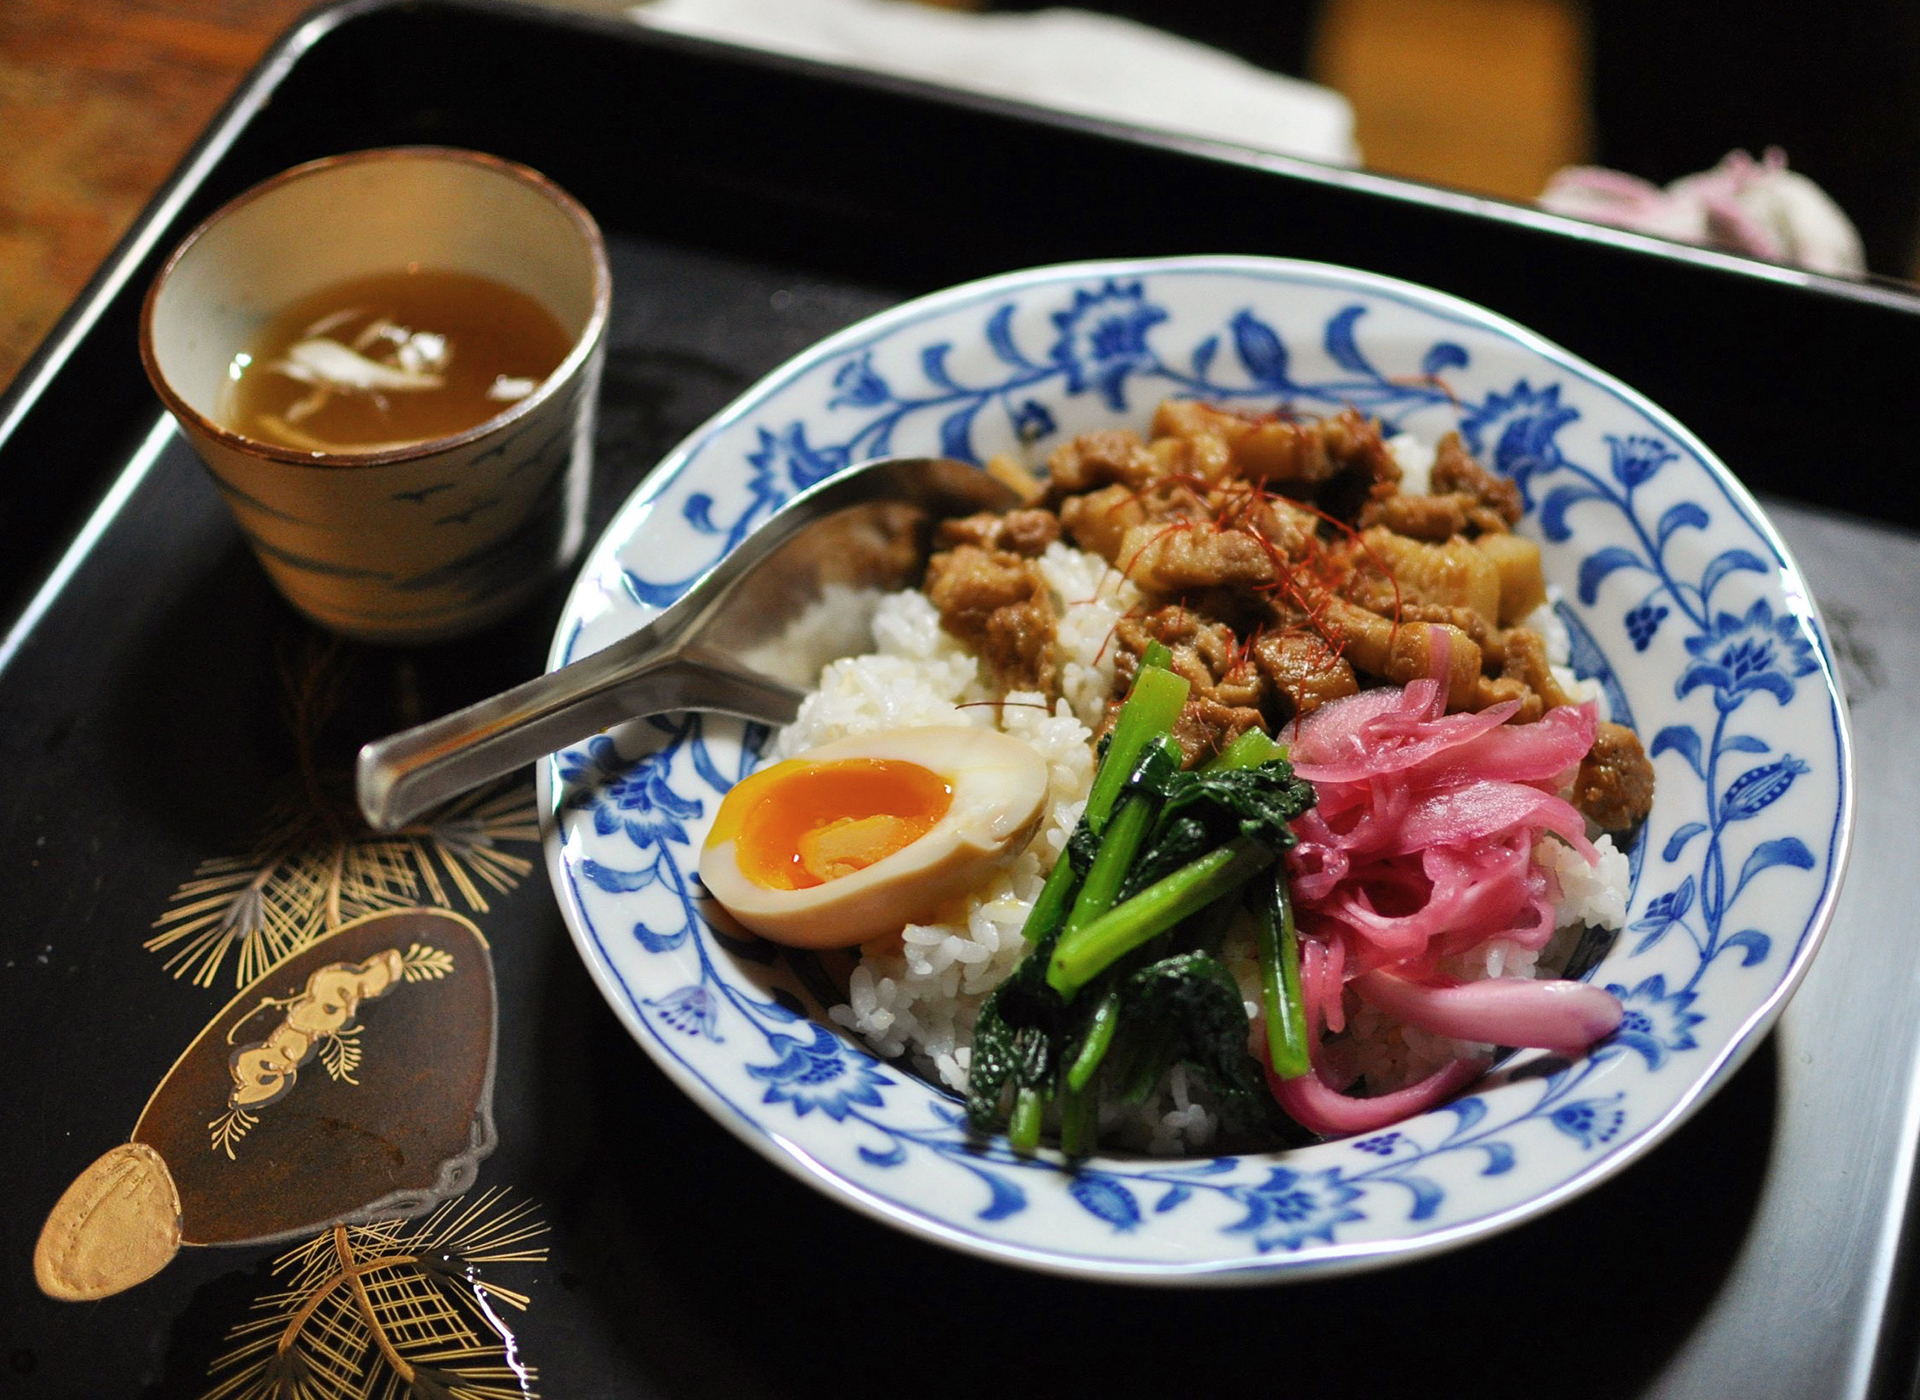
x,y
857,839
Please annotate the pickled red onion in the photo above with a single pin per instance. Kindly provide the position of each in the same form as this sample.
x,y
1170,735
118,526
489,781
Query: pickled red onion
x,y
1420,849
1319,1108
1550,1014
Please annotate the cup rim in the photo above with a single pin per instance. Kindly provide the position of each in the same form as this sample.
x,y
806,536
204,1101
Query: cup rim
x,y
583,346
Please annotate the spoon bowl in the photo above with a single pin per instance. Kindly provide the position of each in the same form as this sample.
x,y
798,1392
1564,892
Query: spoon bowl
x,y
723,646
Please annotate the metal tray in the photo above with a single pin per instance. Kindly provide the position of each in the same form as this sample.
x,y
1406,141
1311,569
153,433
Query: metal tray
x,y
753,205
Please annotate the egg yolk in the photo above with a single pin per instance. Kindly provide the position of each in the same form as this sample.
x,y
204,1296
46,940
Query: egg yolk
x,y
797,825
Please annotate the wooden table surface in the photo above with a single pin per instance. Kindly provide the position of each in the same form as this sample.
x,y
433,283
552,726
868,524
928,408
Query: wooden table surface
x,y
100,99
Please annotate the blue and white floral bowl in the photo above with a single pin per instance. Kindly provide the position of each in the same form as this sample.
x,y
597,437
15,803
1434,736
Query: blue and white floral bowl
x,y
1681,601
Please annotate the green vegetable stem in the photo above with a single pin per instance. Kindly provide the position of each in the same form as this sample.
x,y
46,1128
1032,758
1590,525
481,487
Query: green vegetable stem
x,y
1023,1128
1132,915
1148,717
1094,1044
1019,1028
1250,750
1056,897
1089,951
1121,840
1279,950
1079,1122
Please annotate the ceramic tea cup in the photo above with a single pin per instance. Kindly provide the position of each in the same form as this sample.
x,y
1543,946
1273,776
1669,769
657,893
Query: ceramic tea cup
x,y
397,541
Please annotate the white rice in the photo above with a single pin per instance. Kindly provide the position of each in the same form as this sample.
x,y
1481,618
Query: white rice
x,y
1546,621
1415,460
1589,894
918,996
919,674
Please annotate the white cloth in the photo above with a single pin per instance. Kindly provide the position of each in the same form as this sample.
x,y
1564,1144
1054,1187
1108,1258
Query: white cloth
x,y
1070,60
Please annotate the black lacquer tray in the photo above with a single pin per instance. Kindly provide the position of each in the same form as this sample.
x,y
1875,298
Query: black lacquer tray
x,y
151,683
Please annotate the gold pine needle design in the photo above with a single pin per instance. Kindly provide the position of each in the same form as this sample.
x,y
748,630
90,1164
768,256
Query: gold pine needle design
x,y
391,1311
424,964
229,1128
340,1053
311,873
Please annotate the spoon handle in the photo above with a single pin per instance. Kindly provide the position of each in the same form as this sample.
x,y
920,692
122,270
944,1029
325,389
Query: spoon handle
x,y
406,774
865,527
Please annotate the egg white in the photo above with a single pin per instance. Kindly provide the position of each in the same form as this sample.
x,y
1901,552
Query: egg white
x,y
999,787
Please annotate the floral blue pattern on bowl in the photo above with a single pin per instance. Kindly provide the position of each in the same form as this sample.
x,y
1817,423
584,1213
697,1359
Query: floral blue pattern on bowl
x,y
1681,602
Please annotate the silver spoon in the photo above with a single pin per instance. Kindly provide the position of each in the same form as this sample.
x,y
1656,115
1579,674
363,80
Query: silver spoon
x,y
719,647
